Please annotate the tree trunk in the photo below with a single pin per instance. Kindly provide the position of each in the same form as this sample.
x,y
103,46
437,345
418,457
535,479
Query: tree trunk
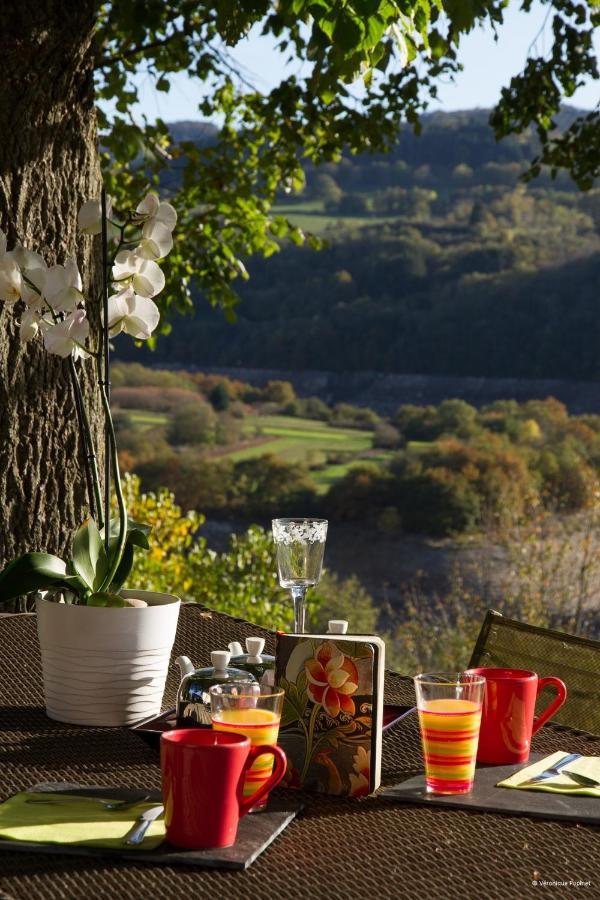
x,y
48,166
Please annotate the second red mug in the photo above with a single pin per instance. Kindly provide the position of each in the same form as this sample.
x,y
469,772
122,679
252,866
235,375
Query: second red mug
x,y
508,718
202,780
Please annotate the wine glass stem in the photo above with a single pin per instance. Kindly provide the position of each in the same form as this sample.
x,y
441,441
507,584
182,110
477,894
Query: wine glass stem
x,y
299,598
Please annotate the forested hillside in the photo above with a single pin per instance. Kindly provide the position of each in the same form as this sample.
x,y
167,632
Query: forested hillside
x,y
438,259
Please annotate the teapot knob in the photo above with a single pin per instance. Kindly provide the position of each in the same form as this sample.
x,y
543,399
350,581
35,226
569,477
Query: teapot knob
x,y
220,660
254,646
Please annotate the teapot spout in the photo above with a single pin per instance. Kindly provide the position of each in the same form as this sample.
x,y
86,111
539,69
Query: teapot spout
x,y
185,664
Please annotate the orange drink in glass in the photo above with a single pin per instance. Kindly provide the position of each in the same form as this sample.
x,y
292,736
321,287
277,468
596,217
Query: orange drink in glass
x,y
254,711
449,707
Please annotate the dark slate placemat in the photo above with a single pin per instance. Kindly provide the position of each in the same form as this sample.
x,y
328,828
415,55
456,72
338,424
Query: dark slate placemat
x,y
256,831
486,797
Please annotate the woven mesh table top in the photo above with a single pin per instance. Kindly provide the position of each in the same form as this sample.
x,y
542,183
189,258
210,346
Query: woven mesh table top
x,y
337,849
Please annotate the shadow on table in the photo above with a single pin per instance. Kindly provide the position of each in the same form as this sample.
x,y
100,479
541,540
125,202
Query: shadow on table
x,y
21,864
41,742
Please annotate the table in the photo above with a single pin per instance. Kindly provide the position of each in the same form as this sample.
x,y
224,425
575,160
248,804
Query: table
x,y
338,849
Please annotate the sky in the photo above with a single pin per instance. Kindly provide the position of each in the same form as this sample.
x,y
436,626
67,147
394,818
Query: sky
x,y
488,66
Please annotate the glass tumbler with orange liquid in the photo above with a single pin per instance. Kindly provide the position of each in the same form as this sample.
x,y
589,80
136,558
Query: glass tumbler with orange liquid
x,y
253,710
449,707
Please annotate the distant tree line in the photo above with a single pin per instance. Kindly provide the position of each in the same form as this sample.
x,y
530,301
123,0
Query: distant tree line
x,y
440,262
441,470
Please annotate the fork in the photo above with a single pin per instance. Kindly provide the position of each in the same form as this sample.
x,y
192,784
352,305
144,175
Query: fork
x,y
554,770
116,805
582,780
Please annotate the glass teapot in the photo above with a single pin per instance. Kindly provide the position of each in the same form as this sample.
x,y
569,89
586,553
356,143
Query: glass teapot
x,y
193,699
254,661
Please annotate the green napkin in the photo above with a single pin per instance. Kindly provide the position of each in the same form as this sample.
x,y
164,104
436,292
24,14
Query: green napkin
x,y
558,784
74,820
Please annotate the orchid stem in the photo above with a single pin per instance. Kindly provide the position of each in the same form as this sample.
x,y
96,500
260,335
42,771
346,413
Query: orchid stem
x,y
91,461
105,382
110,430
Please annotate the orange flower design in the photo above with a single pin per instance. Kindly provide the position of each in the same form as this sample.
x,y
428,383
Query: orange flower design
x,y
332,679
359,783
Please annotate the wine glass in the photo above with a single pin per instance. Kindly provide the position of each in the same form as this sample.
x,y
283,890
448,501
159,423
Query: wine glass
x,y
300,546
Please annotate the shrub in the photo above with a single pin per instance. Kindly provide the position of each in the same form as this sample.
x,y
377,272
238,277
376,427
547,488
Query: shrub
x,y
417,423
219,397
152,398
229,429
280,392
347,416
144,445
193,423
362,490
386,436
137,375
308,408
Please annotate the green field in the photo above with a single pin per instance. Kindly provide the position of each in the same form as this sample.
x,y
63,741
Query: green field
x,y
310,217
306,441
144,419
294,440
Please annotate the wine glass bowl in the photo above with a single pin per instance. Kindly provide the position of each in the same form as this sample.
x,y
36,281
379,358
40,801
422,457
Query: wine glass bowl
x,y
300,545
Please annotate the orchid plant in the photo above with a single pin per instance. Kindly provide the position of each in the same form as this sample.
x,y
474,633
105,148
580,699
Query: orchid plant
x,y
53,310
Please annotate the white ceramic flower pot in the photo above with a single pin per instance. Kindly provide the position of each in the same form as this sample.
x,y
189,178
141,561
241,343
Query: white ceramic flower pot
x,y
106,666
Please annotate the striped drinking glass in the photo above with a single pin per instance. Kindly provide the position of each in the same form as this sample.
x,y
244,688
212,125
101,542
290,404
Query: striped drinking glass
x,y
449,706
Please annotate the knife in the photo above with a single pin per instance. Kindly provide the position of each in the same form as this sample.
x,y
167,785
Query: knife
x,y
136,833
553,771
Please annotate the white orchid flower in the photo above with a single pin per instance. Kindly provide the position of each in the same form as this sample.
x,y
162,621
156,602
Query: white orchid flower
x,y
67,337
135,315
28,259
11,281
157,240
62,287
89,217
152,210
33,269
32,293
29,325
131,269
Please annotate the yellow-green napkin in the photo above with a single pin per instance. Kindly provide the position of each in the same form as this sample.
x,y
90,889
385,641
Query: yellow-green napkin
x,y
558,784
74,820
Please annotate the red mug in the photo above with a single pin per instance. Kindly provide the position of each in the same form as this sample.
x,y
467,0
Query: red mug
x,y
508,717
202,780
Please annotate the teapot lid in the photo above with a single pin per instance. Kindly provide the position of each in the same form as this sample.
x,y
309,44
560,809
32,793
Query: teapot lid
x,y
220,659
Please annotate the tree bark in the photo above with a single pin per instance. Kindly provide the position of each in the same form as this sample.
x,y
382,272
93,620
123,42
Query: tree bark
x,y
48,166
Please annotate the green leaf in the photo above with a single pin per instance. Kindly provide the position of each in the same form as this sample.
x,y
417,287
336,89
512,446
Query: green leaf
x,y
124,568
35,572
105,599
301,683
348,31
288,715
137,533
89,556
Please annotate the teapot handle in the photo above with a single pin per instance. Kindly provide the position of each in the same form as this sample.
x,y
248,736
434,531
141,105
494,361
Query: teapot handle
x,y
186,667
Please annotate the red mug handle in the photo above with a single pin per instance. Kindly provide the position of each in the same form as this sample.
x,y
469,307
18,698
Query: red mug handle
x,y
277,774
561,696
